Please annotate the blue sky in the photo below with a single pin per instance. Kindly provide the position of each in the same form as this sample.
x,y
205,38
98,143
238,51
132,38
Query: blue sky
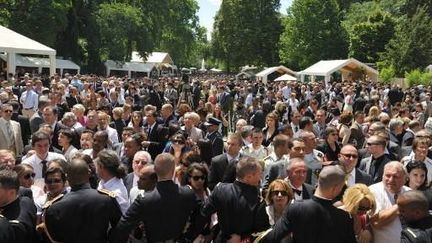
x,y
208,9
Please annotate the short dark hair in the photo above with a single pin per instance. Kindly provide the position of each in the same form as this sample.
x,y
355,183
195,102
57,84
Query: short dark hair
x,y
9,179
39,136
111,162
53,170
304,121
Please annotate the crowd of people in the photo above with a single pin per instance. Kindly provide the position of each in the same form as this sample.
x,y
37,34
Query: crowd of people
x,y
205,158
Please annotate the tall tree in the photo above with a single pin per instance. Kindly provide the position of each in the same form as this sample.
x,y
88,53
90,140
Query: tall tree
x,y
368,39
411,47
312,32
247,32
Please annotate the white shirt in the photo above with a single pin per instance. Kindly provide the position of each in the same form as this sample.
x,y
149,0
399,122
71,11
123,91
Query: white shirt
x,y
134,193
35,162
112,135
351,178
116,185
384,200
29,100
70,152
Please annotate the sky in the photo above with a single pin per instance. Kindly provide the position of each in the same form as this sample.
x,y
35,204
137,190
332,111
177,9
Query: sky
x,y
208,9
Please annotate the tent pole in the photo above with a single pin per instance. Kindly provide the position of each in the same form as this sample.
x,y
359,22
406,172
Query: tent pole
x,y
52,65
11,62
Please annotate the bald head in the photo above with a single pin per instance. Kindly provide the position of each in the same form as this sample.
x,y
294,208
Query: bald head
x,y
331,176
79,172
164,166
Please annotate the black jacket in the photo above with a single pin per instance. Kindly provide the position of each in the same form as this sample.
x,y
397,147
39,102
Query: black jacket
x,y
418,232
164,212
22,215
82,215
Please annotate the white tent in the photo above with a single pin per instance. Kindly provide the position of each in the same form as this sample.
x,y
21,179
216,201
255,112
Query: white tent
x,y
215,70
129,67
286,77
13,43
346,67
39,63
263,75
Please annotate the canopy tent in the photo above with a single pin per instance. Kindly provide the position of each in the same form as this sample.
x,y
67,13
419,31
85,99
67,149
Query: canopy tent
x,y
286,77
13,43
347,67
274,72
39,63
130,67
162,61
248,74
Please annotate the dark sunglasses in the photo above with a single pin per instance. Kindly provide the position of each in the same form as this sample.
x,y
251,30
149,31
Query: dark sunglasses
x,y
279,193
353,156
52,181
196,178
32,175
363,209
8,111
178,142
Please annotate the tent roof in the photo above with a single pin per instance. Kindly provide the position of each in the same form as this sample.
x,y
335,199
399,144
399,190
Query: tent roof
x,y
130,66
12,42
281,69
154,57
26,61
325,68
286,77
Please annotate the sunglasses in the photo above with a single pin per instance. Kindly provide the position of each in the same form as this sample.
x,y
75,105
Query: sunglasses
x,y
8,111
52,181
178,142
363,209
279,193
196,178
352,156
32,175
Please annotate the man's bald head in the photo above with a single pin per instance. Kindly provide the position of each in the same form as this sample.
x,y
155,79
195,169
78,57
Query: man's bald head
x,y
164,166
79,172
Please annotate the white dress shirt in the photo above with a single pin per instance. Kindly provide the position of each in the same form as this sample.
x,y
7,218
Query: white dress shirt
x,y
29,100
116,185
35,162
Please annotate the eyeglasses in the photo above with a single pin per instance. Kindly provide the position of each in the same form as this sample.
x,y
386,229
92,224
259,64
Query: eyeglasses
x,y
279,193
178,142
8,111
350,156
32,175
196,178
52,181
363,208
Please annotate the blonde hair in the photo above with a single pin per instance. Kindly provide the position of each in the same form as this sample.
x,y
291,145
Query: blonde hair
x,y
286,187
354,195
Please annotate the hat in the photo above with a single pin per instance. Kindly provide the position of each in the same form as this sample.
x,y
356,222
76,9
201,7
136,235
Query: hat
x,y
212,121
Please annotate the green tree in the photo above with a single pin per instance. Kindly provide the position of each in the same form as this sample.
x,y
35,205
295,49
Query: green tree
x,y
411,47
312,32
247,32
387,73
121,28
368,39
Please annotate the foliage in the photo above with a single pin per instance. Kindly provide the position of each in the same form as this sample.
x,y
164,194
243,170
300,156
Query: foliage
x,y
414,77
247,32
368,39
411,46
121,27
312,32
386,74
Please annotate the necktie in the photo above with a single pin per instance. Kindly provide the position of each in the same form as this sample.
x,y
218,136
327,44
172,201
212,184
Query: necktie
x,y
395,197
297,191
44,167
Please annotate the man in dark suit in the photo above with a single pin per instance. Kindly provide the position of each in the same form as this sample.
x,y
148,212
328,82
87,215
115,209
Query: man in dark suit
x,y
50,115
296,176
140,159
164,211
36,120
214,136
196,93
64,216
222,168
374,165
157,136
359,103
23,121
73,98
357,136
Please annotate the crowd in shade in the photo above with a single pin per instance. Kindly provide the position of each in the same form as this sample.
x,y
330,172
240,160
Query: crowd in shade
x,y
207,158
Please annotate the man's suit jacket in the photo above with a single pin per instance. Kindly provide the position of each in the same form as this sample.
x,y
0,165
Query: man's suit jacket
x,y
35,121
365,166
362,177
220,171
279,171
128,181
195,134
71,101
307,191
157,137
25,127
216,142
4,137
